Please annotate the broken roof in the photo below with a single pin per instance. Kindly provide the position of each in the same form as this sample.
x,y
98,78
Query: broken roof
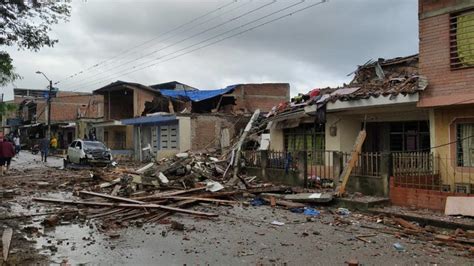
x,y
131,85
382,78
196,95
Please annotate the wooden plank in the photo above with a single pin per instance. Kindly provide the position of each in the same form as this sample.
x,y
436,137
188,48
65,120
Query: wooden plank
x,y
115,190
95,194
201,199
166,194
247,129
352,162
6,240
126,205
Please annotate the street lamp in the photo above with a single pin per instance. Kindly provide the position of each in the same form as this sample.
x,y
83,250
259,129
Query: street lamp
x,y
48,134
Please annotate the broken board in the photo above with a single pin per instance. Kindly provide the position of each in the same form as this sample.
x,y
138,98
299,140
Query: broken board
x,y
352,162
459,206
6,240
310,197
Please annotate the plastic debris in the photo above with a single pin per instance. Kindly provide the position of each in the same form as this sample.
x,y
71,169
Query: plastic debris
x,y
343,211
214,186
311,212
257,202
399,247
278,223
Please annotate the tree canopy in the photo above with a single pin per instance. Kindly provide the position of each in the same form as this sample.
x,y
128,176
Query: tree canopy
x,y
26,24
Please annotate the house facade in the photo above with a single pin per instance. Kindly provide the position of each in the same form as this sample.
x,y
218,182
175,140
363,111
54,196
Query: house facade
x,y
325,123
66,108
446,29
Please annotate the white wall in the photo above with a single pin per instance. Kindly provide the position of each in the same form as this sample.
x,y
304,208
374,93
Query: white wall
x,y
277,142
184,133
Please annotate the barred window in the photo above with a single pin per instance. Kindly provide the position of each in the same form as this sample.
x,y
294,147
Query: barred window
x,y
462,40
465,145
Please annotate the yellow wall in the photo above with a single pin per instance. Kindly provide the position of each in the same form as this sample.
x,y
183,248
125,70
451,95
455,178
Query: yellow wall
x,y
441,121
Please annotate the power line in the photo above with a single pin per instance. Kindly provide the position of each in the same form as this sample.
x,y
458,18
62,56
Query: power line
x,y
219,40
188,38
148,41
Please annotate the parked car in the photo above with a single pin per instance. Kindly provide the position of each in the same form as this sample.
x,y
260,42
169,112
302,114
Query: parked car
x,y
88,152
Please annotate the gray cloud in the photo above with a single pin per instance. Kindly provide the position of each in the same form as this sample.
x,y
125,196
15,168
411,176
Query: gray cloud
x,y
314,48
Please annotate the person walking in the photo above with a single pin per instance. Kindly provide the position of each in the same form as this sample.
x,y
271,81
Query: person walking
x,y
44,149
16,141
54,144
7,151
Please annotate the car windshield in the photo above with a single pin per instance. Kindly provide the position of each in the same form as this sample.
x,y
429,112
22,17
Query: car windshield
x,y
94,145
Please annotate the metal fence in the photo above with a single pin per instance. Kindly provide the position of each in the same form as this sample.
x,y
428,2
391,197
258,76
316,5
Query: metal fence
x,y
432,172
321,164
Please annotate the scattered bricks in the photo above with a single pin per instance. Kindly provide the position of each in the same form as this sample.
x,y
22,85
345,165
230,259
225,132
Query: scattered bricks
x,y
51,221
444,238
177,226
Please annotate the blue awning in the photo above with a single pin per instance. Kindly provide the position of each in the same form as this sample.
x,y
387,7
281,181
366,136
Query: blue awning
x,y
196,95
150,120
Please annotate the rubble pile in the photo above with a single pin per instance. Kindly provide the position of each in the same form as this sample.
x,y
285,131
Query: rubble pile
x,y
159,189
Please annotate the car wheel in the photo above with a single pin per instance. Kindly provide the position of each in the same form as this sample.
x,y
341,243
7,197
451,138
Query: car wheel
x,y
83,161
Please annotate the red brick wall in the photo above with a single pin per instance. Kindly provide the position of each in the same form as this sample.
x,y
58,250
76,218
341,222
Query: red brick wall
x,y
250,97
446,86
67,108
206,129
419,198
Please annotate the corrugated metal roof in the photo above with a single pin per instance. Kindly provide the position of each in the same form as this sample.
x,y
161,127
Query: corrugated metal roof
x,y
155,119
196,95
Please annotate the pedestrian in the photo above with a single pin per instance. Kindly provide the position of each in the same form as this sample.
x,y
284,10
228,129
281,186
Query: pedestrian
x,y
16,141
7,151
44,148
54,144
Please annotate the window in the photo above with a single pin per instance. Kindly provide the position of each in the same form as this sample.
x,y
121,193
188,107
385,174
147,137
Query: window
x,y
73,144
310,134
465,145
409,136
462,39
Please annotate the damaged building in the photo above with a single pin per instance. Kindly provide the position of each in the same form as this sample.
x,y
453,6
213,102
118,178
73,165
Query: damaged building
x,y
164,119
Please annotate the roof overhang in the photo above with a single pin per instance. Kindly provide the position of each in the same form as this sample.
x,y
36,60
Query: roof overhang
x,y
108,123
381,101
150,120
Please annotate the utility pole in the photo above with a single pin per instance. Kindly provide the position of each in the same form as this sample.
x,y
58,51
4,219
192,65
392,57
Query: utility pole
x,y
48,134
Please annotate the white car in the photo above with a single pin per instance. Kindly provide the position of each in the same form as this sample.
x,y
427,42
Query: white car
x,y
88,152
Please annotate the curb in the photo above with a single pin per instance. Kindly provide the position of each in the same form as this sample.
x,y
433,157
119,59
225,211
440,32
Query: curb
x,y
427,221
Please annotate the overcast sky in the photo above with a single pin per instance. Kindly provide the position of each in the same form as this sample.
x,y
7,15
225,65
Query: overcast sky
x,y
317,47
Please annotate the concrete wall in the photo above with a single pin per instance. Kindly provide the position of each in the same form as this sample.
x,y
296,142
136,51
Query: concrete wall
x,y
348,128
446,86
184,133
277,140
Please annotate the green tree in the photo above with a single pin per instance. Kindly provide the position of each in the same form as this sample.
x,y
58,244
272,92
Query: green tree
x,y
26,25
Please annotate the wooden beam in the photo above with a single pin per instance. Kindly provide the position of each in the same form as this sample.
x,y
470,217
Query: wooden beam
x,y
238,154
125,205
352,162
6,240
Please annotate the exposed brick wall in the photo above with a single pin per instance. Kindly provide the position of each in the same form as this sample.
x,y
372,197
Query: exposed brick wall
x,y
250,97
68,107
419,198
435,59
206,129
